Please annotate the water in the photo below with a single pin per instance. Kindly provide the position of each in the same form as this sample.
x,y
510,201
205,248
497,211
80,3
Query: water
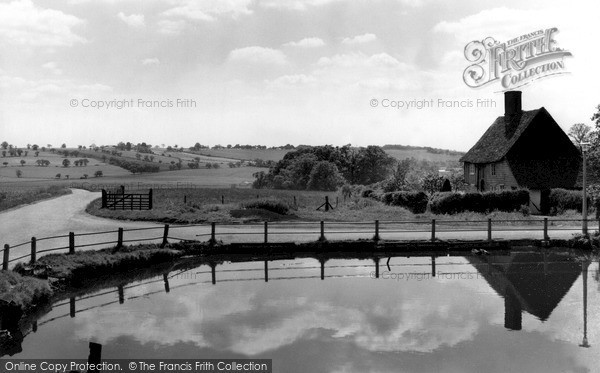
x,y
504,313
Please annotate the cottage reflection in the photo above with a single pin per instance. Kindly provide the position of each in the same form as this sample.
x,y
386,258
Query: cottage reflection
x,y
531,282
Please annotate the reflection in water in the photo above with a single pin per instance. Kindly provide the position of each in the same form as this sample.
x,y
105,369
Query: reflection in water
x,y
310,314
531,282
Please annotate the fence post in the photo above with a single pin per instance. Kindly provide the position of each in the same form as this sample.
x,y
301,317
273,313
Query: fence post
x,y
432,229
266,271
326,203
103,199
266,232
546,238
376,260
150,199
165,236
213,237
322,237
166,281
376,237
6,255
72,310
71,243
120,238
222,200
33,250
122,189
489,229
121,291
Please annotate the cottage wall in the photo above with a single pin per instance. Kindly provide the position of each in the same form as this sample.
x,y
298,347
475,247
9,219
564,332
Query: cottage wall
x,y
503,177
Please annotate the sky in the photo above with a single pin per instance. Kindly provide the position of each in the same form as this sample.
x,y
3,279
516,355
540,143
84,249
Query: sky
x,y
274,72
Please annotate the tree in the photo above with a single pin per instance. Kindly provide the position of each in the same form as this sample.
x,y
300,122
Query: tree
x,y
19,173
432,183
37,153
324,176
66,162
4,145
98,173
22,162
579,133
63,146
57,176
34,147
5,164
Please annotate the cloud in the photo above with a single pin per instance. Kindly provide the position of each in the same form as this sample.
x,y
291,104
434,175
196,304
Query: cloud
x,y
23,23
150,61
360,39
169,27
208,10
134,20
306,43
500,23
52,67
258,55
295,4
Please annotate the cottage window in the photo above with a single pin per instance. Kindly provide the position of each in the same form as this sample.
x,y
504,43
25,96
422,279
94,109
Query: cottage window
x,y
471,169
493,169
501,186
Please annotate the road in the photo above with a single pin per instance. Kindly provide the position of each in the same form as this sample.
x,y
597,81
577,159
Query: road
x,y
59,216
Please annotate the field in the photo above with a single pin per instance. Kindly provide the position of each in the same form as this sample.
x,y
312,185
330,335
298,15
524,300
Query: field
x,y
10,166
421,154
228,206
246,154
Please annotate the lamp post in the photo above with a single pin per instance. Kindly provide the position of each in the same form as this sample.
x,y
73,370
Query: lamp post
x,y
584,148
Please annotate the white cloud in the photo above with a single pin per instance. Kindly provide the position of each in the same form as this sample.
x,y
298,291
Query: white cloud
x,y
295,4
306,43
208,10
169,27
360,39
52,67
133,20
150,61
23,23
258,55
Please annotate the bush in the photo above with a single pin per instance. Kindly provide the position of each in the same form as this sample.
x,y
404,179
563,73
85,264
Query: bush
x,y
453,203
272,205
416,202
367,193
561,200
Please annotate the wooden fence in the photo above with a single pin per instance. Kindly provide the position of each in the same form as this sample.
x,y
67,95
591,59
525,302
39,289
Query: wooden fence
x,y
119,200
376,230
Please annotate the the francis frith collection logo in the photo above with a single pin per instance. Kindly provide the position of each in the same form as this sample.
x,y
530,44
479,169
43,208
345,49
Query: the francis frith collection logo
x,y
516,62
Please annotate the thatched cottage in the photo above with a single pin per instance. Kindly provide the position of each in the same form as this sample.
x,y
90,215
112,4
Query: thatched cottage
x,y
523,149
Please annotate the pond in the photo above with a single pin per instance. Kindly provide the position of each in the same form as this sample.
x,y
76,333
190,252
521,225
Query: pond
x,y
524,311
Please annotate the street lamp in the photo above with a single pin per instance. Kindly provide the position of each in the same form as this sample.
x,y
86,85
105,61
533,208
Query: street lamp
x,y
584,148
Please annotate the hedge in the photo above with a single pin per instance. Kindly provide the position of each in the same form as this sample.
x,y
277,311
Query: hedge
x,y
416,202
561,200
275,206
453,203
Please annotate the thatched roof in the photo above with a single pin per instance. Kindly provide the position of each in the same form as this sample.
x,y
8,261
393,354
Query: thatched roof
x,y
497,140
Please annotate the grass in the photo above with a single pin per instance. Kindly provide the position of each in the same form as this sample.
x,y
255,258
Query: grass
x,y
77,267
13,197
25,291
240,205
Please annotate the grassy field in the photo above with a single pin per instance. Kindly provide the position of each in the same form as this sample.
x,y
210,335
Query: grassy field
x,y
421,154
245,154
205,205
13,197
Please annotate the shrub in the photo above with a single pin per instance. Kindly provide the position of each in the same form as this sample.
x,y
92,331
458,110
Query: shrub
x,y
561,200
272,205
453,203
416,202
367,193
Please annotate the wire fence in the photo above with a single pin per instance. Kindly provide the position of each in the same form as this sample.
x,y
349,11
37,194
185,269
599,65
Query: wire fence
x,y
291,231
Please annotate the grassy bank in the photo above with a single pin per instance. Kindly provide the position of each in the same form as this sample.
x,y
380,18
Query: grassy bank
x,y
75,269
24,291
187,206
13,197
